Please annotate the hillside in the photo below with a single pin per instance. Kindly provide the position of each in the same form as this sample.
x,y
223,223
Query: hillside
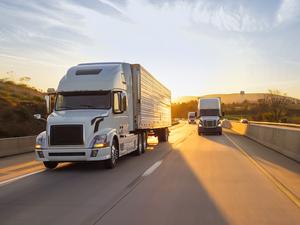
x,y
18,103
228,98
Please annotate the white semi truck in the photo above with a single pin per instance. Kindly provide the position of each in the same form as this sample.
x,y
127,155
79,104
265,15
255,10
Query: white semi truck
x,y
210,113
192,117
103,111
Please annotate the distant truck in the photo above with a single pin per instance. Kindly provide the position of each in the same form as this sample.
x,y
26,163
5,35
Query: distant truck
x,y
103,111
192,117
209,111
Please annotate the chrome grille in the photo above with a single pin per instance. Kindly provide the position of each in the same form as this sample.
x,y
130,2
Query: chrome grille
x,y
210,123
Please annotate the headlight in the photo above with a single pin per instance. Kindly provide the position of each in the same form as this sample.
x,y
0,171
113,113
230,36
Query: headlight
x,y
100,141
40,142
219,123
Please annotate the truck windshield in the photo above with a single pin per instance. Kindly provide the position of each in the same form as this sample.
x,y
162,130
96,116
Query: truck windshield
x,y
209,112
83,100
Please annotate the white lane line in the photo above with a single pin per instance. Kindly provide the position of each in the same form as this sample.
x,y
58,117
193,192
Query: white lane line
x,y
20,177
152,168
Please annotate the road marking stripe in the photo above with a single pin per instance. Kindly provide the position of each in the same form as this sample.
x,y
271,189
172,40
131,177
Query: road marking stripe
x,y
152,169
291,196
19,166
20,177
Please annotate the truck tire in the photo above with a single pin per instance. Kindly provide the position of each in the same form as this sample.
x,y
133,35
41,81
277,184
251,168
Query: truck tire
x,y
199,132
144,141
139,149
163,135
50,165
112,162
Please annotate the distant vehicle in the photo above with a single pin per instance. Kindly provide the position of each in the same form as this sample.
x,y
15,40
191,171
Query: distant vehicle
x,y
192,117
210,113
103,111
244,121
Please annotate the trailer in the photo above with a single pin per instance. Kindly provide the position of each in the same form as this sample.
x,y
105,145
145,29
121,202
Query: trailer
x,y
103,111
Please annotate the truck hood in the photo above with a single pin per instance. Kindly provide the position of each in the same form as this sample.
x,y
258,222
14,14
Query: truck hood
x,y
75,116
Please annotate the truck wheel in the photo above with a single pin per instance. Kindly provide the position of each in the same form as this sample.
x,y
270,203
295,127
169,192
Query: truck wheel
x,y
50,165
139,149
112,162
163,135
199,133
144,141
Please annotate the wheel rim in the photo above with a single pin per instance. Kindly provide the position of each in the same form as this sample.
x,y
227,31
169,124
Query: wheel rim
x,y
113,154
140,143
145,141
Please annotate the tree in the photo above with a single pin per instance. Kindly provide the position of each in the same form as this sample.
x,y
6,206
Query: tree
x,y
276,103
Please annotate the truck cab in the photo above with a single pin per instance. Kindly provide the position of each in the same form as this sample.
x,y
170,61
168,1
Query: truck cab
x,y
210,114
192,117
95,116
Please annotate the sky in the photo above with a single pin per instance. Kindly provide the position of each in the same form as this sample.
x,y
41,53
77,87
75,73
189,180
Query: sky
x,y
194,47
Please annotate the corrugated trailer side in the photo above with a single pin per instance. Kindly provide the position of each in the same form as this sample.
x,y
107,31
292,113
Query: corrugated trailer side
x,y
153,109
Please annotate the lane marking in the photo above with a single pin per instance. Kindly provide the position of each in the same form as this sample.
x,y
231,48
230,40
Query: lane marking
x,y
20,177
281,187
152,169
19,166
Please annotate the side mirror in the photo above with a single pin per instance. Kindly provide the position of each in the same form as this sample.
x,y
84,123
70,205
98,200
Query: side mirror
x,y
39,117
48,103
123,102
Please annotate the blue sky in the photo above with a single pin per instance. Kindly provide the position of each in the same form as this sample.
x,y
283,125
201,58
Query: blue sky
x,y
194,47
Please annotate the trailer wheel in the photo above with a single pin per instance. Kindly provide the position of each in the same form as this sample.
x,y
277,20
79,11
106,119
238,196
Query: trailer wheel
x,y
112,162
139,149
50,165
145,143
163,135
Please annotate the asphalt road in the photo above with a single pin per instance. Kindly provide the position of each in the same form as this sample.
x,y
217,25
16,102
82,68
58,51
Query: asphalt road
x,y
190,180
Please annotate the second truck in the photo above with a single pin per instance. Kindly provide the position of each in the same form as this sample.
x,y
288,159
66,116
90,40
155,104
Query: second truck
x,y
103,111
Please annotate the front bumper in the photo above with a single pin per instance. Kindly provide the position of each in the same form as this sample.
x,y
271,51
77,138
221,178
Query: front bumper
x,y
210,130
72,155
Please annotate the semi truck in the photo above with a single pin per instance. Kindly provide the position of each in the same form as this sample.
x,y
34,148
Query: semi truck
x,y
192,117
103,111
209,111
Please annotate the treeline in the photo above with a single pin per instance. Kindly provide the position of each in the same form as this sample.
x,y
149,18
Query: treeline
x,y
18,103
180,110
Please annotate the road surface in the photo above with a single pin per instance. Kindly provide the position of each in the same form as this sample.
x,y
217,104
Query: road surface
x,y
193,179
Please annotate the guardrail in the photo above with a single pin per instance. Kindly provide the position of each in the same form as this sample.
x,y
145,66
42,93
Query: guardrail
x,y
283,139
18,145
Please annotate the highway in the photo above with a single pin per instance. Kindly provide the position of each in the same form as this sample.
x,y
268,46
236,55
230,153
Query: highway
x,y
193,179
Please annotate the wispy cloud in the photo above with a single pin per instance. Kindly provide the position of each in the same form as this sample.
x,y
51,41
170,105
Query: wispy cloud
x,y
238,15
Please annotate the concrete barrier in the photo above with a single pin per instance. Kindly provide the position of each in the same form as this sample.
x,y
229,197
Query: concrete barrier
x,y
285,140
14,146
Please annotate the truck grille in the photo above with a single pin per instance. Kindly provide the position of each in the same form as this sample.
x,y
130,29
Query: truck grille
x,y
66,135
210,123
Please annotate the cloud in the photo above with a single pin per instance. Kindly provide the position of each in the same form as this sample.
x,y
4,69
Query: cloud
x,y
238,15
104,7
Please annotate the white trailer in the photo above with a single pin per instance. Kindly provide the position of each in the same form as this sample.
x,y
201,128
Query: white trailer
x,y
103,111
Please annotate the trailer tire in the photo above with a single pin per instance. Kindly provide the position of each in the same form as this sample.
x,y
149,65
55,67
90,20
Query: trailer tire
x,y
112,162
144,142
163,135
139,149
50,165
